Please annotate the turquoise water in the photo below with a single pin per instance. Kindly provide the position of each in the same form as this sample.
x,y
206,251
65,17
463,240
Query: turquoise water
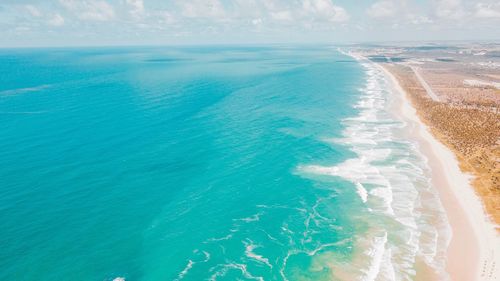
x,y
208,163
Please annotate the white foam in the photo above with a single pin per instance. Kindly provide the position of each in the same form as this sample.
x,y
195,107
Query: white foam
x,y
227,237
191,263
310,253
185,270
282,269
255,217
24,90
327,245
386,195
207,256
377,254
386,271
249,252
363,194
390,171
223,269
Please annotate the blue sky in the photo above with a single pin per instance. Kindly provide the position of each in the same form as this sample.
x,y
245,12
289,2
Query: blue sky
x,y
137,22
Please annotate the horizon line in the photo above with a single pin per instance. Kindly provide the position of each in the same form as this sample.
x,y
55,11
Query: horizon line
x,y
234,44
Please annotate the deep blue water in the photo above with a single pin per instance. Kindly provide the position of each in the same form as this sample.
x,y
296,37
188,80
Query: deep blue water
x,y
175,163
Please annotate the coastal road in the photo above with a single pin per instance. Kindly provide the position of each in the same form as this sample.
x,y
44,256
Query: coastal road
x,y
426,86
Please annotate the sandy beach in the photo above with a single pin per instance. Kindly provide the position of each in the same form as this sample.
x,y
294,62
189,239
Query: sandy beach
x,y
474,249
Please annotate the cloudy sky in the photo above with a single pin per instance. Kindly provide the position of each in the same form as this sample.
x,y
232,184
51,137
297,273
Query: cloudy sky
x,y
136,22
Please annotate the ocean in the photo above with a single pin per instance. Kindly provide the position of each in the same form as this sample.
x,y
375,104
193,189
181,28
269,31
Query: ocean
x,y
209,163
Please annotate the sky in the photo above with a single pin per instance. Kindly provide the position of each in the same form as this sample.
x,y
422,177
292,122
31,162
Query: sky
x,y
32,23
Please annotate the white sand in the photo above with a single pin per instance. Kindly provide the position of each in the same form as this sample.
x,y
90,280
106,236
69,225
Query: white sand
x,y
474,250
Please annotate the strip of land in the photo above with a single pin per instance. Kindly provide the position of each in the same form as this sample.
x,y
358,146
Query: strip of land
x,y
465,117
473,249
464,114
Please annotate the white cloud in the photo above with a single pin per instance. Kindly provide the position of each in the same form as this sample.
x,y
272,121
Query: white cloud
x,y
92,10
22,28
418,19
56,20
213,9
249,9
399,13
449,9
257,22
33,11
136,8
325,10
487,10
273,14
265,11
382,9
166,17
282,16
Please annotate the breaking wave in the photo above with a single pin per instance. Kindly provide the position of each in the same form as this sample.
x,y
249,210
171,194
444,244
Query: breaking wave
x,y
391,177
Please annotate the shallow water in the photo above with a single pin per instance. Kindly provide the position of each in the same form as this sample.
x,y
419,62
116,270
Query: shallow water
x,y
210,163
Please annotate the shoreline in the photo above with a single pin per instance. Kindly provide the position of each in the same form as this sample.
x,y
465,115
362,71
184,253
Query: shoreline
x,y
474,246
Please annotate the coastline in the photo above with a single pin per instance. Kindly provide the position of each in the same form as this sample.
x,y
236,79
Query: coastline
x,y
473,249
